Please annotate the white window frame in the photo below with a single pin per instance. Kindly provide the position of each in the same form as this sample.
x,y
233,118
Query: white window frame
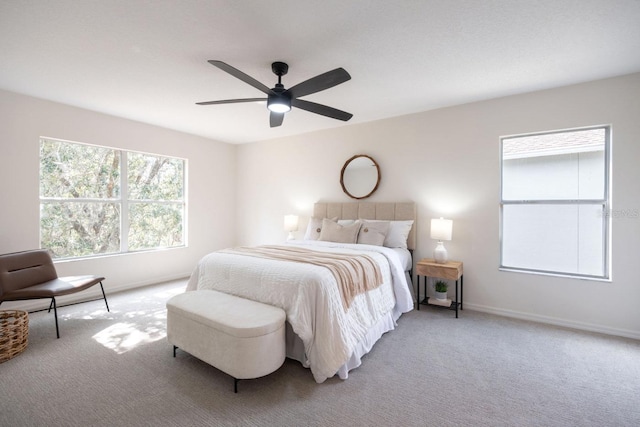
x,y
123,200
605,204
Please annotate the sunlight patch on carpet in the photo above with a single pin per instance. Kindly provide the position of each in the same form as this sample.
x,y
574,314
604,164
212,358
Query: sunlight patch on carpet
x,y
143,328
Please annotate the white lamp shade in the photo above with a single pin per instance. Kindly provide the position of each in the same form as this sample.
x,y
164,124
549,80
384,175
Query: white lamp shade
x,y
441,229
290,223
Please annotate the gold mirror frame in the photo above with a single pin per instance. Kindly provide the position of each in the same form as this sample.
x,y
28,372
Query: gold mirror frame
x,y
368,184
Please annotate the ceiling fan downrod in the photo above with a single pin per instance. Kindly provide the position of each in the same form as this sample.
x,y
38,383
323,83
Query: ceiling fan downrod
x,y
279,69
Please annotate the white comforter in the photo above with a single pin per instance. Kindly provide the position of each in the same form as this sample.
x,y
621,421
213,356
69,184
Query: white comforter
x,y
310,297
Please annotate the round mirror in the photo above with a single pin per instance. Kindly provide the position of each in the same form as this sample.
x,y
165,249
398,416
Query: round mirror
x,y
360,176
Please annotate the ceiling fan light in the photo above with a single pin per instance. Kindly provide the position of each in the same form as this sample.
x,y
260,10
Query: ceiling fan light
x,y
278,104
279,108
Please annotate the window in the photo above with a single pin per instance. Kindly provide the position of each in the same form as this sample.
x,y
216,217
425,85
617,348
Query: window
x,y
97,200
554,202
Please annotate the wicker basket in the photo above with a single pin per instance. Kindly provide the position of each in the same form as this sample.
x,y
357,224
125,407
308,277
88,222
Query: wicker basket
x,y
14,332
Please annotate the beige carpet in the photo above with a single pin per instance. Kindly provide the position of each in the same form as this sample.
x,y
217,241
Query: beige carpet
x,y
116,369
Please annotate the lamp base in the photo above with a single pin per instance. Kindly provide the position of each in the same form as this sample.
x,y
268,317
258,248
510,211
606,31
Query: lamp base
x,y
291,236
440,253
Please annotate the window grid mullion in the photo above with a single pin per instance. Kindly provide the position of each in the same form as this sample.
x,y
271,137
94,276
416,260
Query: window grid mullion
x,y
555,202
124,202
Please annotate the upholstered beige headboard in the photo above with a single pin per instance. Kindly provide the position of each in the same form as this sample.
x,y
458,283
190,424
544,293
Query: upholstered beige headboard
x,y
370,210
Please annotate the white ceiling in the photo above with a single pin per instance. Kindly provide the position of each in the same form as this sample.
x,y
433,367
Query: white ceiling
x,y
146,60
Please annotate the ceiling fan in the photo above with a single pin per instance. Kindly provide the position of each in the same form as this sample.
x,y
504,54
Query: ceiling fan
x,y
280,100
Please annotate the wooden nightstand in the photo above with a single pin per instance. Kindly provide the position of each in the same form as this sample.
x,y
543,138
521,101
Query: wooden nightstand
x,y
451,270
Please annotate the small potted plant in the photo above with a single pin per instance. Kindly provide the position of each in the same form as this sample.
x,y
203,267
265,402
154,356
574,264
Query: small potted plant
x,y
441,290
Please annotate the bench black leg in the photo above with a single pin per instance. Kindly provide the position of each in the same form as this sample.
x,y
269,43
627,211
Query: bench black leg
x,y
235,380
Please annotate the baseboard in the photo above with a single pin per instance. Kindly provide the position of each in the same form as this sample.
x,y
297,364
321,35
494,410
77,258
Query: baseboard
x,y
583,326
90,294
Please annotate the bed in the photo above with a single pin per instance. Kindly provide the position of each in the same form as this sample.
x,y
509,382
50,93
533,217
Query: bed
x,y
328,331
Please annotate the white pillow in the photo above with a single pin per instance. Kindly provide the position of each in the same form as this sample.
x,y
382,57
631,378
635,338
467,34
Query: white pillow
x,y
334,232
373,232
398,233
314,227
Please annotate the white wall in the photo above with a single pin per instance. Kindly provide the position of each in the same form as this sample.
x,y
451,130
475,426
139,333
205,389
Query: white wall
x,y
447,161
210,190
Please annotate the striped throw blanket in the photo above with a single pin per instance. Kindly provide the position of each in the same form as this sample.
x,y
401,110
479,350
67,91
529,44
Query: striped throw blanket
x,y
354,274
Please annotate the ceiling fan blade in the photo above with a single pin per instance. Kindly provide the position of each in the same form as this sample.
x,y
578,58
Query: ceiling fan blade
x,y
231,101
316,84
240,75
321,109
275,119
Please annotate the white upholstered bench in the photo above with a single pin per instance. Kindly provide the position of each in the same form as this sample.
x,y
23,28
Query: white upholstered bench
x,y
243,338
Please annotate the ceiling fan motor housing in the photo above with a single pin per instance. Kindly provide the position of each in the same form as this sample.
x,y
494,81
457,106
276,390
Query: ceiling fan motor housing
x,y
279,101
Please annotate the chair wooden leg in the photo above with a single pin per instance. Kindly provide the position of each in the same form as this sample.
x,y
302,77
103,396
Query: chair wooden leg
x,y
55,314
104,296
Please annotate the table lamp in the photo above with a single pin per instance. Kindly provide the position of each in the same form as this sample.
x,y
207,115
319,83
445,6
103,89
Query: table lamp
x,y
441,229
290,225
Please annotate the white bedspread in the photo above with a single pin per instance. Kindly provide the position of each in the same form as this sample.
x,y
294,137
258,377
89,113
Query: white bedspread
x,y
310,297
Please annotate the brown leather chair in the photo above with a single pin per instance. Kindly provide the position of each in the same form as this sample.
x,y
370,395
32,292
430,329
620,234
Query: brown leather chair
x,y
32,275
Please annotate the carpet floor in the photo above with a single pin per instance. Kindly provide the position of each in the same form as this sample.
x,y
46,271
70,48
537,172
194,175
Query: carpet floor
x,y
117,369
